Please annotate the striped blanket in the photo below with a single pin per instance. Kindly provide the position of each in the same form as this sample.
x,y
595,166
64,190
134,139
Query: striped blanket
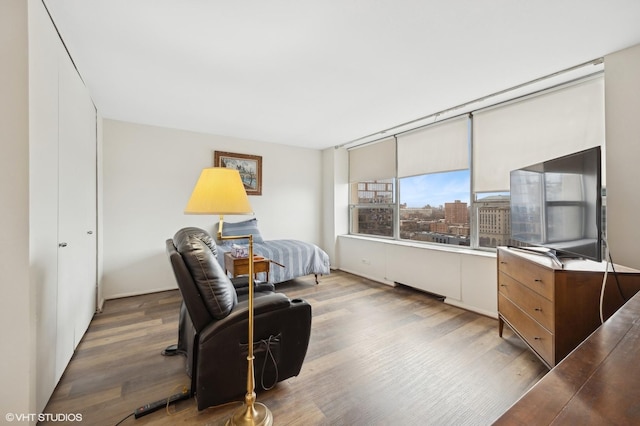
x,y
297,257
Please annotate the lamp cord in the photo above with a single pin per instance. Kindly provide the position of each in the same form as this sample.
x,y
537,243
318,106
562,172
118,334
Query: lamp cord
x,y
268,354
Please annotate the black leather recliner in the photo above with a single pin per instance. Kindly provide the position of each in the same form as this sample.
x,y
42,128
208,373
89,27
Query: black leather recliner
x,y
214,324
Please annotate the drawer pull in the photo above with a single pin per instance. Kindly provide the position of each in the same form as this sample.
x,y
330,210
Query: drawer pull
x,y
503,285
502,262
538,280
537,338
537,309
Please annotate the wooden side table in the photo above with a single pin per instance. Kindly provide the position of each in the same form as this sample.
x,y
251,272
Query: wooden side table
x,y
240,265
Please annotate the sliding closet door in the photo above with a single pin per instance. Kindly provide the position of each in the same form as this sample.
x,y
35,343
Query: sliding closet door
x,y
76,212
43,194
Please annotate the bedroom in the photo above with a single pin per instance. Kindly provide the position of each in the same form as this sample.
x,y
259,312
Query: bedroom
x,y
143,204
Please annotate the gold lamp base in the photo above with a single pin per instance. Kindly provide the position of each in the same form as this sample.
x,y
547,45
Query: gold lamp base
x,y
255,415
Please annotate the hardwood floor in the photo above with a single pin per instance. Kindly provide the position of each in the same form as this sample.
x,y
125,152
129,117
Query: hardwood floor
x,y
378,356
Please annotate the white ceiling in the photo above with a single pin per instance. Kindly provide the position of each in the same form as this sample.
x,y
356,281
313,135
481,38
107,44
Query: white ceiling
x,y
319,73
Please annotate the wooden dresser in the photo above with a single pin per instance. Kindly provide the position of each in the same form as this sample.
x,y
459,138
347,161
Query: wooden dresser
x,y
597,384
554,307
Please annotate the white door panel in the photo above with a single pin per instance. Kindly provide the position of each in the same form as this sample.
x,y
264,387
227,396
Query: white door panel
x,y
76,212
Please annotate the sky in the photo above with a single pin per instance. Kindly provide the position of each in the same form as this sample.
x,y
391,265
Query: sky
x,y
435,189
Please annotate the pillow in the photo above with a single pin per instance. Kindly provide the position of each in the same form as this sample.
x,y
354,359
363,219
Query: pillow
x,y
247,227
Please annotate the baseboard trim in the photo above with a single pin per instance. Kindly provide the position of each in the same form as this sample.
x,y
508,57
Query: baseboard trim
x,y
139,293
459,304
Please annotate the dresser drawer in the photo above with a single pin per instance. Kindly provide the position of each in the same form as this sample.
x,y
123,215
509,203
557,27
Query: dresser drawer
x,y
533,275
532,303
539,338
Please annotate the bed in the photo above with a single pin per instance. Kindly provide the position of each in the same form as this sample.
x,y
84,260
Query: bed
x,y
289,258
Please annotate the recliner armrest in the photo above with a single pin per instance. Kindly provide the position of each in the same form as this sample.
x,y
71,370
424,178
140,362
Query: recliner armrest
x,y
264,303
241,284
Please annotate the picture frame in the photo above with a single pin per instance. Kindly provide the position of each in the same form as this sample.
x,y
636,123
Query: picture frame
x,y
249,166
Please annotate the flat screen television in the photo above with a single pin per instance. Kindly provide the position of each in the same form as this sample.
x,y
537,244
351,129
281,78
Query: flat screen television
x,y
557,205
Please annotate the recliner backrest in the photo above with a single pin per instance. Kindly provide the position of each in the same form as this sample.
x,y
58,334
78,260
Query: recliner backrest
x,y
190,231
216,289
196,308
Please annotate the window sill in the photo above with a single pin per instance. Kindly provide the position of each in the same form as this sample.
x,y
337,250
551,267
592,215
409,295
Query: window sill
x,y
423,246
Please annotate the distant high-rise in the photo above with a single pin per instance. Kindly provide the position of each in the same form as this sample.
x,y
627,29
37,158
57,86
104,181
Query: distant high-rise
x,y
456,213
494,221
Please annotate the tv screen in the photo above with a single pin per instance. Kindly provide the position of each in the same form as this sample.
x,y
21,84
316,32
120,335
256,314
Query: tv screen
x,y
557,205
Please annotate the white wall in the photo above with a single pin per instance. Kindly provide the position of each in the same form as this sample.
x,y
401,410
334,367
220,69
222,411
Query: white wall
x,y
335,206
148,175
622,105
16,296
466,278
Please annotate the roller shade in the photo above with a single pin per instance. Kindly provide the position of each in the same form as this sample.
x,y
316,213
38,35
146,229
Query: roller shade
x,y
545,126
436,148
373,161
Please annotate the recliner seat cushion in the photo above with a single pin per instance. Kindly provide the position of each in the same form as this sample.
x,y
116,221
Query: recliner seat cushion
x,y
215,287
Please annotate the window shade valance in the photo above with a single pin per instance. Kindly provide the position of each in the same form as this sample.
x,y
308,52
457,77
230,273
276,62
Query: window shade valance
x,y
373,161
555,123
435,148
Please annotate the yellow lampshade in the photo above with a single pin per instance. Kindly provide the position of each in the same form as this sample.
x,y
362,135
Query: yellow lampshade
x,y
219,191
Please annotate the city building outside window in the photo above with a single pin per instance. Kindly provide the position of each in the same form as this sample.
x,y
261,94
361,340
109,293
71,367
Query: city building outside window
x,y
372,208
435,208
493,219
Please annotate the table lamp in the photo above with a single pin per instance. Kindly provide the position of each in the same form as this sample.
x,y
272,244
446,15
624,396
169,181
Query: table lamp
x,y
220,191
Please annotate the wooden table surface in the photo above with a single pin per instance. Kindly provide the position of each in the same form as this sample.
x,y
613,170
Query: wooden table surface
x,y
597,384
240,265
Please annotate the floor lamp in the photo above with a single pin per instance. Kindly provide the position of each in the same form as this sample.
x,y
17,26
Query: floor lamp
x,y
220,191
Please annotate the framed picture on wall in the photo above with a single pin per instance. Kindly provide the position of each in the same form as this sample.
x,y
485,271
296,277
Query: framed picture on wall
x,y
249,166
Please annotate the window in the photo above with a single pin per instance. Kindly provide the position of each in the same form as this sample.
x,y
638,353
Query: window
x,y
508,136
417,185
373,207
372,202
434,183
435,208
432,174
